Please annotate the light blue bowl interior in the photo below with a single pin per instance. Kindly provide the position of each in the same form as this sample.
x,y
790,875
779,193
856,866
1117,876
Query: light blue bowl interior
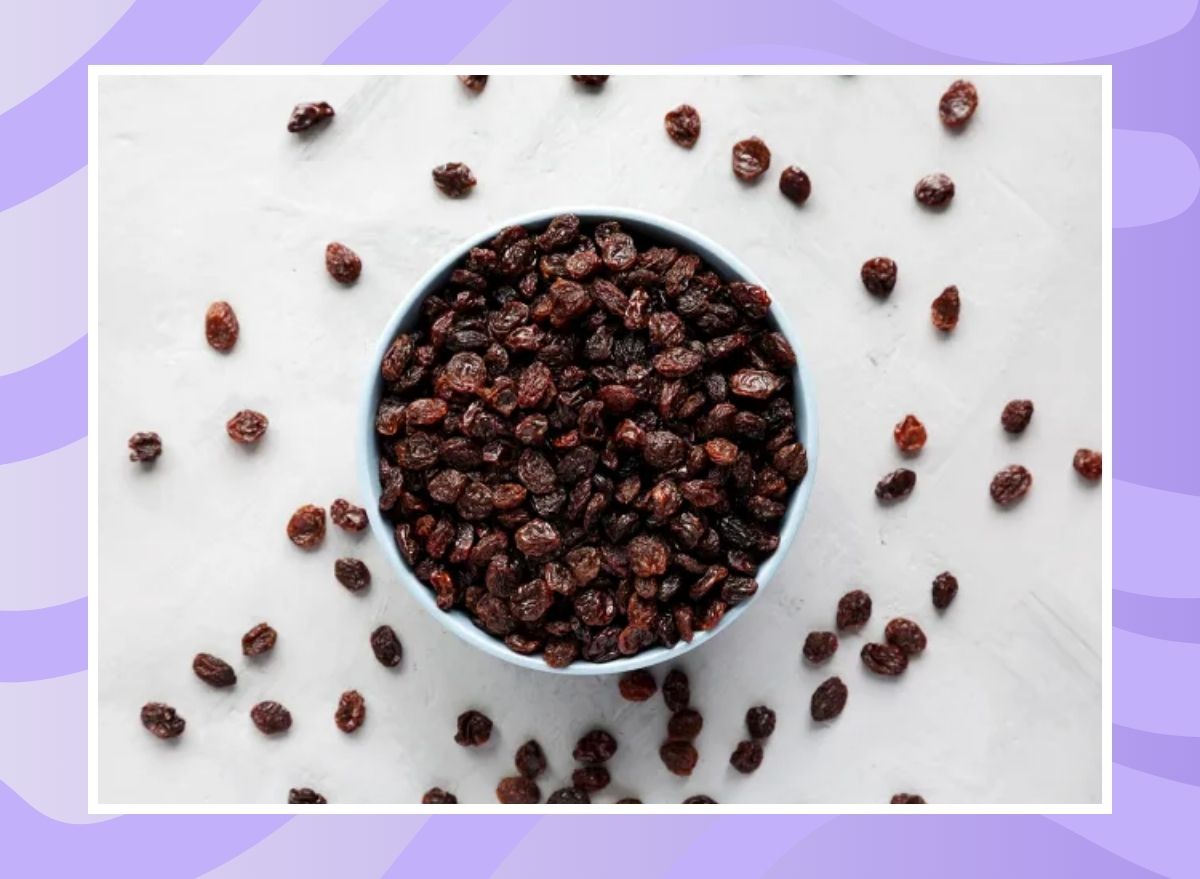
x,y
659,230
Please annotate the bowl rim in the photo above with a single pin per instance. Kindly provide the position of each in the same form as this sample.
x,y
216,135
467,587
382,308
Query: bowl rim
x,y
457,621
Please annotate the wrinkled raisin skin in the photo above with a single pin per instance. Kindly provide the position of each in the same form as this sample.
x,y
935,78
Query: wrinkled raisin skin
x,y
454,179
530,759
569,796
884,659
304,796
474,729
305,116
934,190
162,721
435,796
819,647
475,83
1010,485
751,159
347,516
795,185
144,448
908,799
685,725
342,263
680,758
676,690
910,435
352,573
595,747
259,640
221,327
896,486
518,790
747,756
1016,415
853,610
386,646
638,686
1089,464
760,722
828,700
247,426
271,718
683,125
351,711
306,528
945,587
879,276
945,309
590,79
213,671
958,104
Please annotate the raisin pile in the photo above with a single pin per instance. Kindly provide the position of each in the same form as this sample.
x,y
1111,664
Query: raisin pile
x,y
588,442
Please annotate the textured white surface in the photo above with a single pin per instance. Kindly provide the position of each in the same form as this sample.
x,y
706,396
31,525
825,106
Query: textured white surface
x,y
205,196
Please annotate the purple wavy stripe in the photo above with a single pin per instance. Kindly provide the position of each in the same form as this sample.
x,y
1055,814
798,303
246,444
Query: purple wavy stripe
x,y
761,841
1149,82
32,427
441,843
44,138
1155,532
1142,676
391,35
1173,757
150,846
1168,619
978,846
45,643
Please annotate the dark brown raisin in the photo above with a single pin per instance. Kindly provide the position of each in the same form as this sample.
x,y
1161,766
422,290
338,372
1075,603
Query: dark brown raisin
x,y
590,778
747,756
595,747
760,722
145,447
386,646
342,263
908,799
685,725
909,435
958,104
934,190
1010,485
352,573
819,647
884,659
945,309
676,690
879,276
737,589
638,686
828,700
1088,463
475,83
590,79
518,790
304,796
246,426
896,486
569,796
221,326
347,516
306,528
751,158
530,759
474,729
271,718
853,610
906,635
213,671
435,796
537,539
700,800
162,721
351,711
305,116
259,640
683,125
794,184
757,384
679,757
629,801
945,587
454,179
1016,415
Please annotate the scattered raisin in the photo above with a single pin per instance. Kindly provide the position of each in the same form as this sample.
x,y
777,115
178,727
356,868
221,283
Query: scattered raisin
x,y
590,778
945,587
530,759
221,326
454,179
475,83
853,611
676,690
518,790
685,725
958,104
760,721
306,528
896,486
342,263
1010,485
246,426
795,185
304,796
945,309
884,659
683,125
1016,415
819,647
934,190
751,158
909,435
145,447
259,640
386,646
906,635
351,711
347,516
1087,463
908,799
474,729
638,686
828,700
271,718
747,756
161,720
879,276
679,757
595,747
590,79
569,796
213,671
352,573
700,800
629,801
435,796
305,116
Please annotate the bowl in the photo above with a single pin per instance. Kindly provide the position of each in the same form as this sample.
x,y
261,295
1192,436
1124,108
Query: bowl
x,y
662,231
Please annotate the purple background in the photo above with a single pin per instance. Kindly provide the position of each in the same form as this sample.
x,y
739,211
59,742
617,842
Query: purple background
x,y
1154,49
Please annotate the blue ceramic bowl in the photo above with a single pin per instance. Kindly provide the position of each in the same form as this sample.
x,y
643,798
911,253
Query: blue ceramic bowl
x,y
659,230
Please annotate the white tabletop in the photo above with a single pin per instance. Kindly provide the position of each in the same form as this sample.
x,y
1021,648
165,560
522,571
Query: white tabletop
x,y
205,196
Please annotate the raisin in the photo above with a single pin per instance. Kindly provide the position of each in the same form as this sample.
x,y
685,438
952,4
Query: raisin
x,y
747,756
819,647
945,309
1016,415
683,125
271,718
908,799
629,801
530,759
569,796
751,158
795,185
518,790
560,653
638,686
1088,463
259,640
474,729
737,589
306,528
351,711
162,721
791,461
685,725
537,539
347,516
145,448
680,758
884,659
677,362
909,435
305,116
700,800
879,276
435,796
386,646
595,747
590,79
676,690
475,83
342,263
896,486
828,700
352,573
757,384
945,587
934,190
590,778
305,796
958,104
853,610
453,179
906,635
760,722
1010,485
213,671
